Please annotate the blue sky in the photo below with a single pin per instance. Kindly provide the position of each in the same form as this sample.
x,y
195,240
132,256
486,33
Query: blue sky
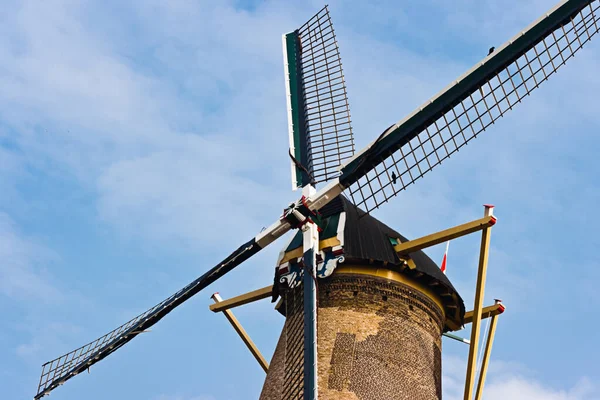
x,y
140,143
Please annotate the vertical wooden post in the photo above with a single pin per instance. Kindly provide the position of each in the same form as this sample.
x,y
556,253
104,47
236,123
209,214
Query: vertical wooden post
x,y
486,356
477,309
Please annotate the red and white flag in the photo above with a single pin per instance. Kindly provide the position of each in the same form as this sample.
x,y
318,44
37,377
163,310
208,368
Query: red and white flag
x,y
443,266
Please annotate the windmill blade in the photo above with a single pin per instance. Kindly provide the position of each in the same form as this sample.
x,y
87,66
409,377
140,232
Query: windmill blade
x,y
63,368
409,149
319,123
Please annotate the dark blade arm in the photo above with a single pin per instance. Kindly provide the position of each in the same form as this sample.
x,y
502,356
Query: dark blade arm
x,y
58,371
409,149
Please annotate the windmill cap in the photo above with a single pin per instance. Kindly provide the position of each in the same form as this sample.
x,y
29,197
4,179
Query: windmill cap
x,y
368,241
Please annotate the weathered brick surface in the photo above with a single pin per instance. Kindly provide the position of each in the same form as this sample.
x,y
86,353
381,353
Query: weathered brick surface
x,y
275,376
377,340
285,376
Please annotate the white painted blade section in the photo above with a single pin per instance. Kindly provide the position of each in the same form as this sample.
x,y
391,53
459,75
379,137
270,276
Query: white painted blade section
x,y
333,189
288,101
272,233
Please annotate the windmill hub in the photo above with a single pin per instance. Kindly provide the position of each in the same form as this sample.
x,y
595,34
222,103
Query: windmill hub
x,y
298,214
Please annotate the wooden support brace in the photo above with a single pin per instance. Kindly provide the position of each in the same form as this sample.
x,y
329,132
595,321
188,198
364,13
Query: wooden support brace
x,y
242,299
445,235
238,328
478,307
486,312
486,355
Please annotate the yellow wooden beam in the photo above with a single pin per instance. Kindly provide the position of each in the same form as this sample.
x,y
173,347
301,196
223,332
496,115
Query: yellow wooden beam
x,y
445,235
242,299
486,357
477,309
298,252
486,312
238,328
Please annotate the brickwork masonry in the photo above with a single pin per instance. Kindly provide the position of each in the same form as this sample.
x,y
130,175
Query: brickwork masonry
x,y
377,340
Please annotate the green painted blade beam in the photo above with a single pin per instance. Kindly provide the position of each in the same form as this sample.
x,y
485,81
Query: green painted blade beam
x,y
295,108
319,123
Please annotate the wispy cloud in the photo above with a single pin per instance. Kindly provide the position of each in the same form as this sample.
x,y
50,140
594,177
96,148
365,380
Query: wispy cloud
x,y
42,338
24,274
513,381
169,118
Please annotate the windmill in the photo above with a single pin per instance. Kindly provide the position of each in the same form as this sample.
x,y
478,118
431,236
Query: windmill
x,y
342,273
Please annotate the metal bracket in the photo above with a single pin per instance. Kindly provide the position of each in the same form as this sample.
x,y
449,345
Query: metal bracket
x,y
457,338
298,214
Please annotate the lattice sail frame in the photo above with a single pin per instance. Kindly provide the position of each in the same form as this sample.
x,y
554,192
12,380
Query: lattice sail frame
x,y
56,368
65,367
320,128
423,142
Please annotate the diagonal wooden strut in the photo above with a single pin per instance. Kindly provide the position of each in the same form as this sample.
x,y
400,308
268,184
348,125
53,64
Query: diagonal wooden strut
x,y
245,338
486,356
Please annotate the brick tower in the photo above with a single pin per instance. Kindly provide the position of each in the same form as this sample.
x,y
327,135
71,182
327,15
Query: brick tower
x,y
380,317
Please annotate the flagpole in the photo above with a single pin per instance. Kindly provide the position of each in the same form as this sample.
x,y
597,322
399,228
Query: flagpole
x,y
445,259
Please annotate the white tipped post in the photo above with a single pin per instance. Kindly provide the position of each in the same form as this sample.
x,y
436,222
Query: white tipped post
x,y
477,309
486,355
310,234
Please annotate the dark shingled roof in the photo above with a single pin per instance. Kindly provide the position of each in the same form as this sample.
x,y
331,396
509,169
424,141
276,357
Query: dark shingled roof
x,y
368,239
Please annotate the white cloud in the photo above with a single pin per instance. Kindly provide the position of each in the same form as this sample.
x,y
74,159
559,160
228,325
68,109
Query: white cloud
x,y
518,388
204,123
510,380
30,290
23,272
178,132
160,161
44,337
193,192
